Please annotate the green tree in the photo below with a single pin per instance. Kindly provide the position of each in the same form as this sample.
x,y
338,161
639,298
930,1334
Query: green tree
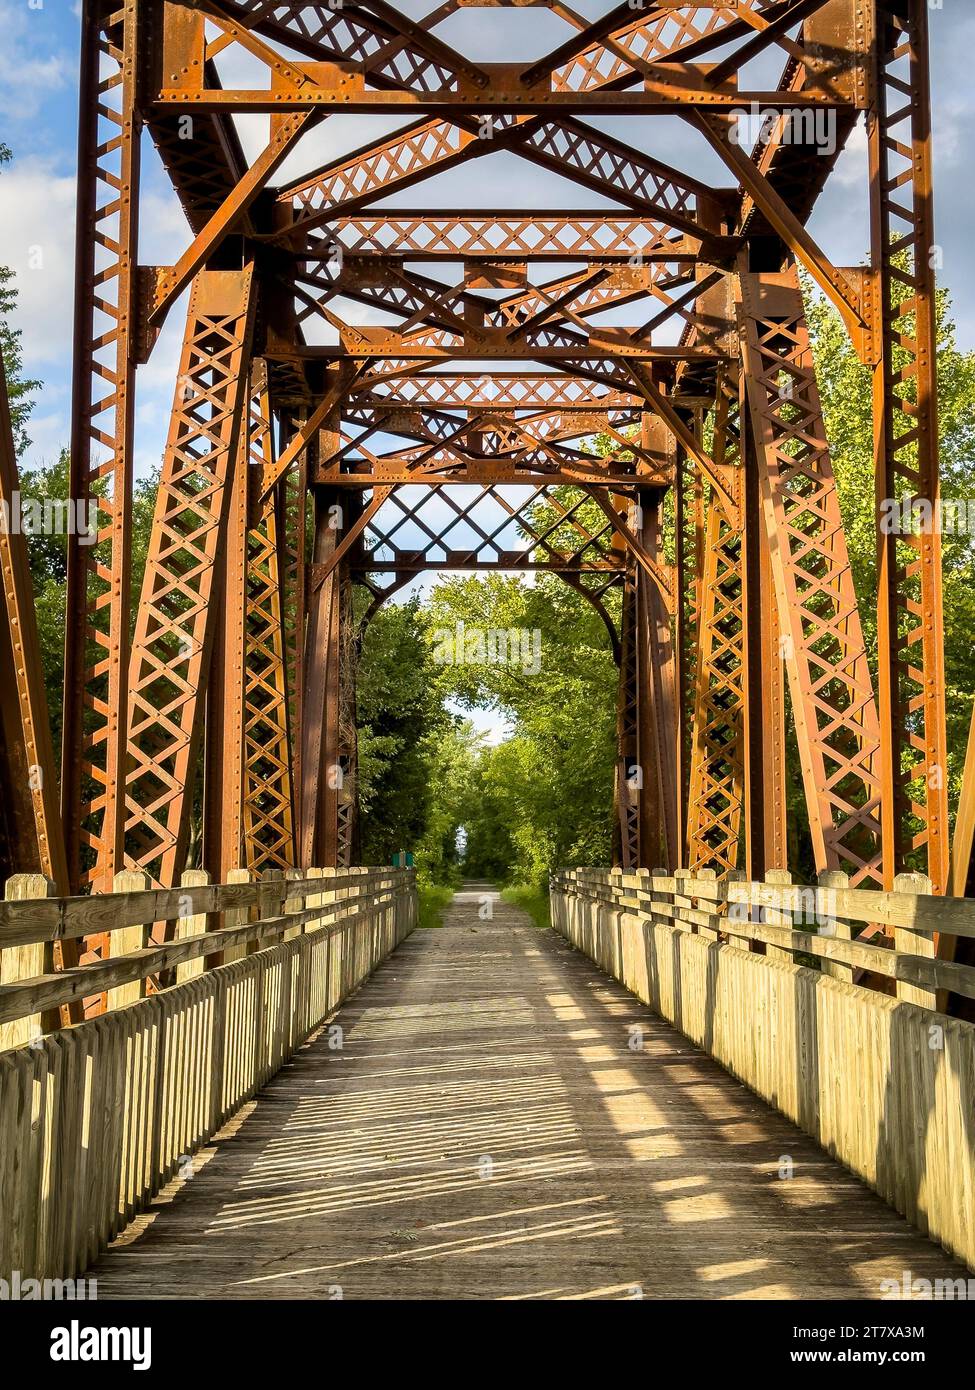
x,y
409,745
48,556
544,796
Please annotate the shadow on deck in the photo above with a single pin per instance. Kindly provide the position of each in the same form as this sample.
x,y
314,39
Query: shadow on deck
x,y
497,1119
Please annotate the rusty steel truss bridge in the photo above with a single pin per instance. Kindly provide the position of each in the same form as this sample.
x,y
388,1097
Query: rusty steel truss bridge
x,y
368,389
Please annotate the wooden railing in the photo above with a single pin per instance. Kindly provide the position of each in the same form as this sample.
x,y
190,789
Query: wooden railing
x,y
96,1118
214,923
771,980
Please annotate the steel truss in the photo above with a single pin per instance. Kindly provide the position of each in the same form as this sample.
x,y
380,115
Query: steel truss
x,y
366,393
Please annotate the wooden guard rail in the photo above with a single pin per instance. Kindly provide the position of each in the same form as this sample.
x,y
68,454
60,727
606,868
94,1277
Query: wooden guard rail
x,y
884,1082
95,1119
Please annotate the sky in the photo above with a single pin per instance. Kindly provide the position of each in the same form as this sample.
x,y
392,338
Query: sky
x,y
39,42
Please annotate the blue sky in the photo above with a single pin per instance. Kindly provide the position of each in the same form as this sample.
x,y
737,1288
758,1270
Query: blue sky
x,y
38,99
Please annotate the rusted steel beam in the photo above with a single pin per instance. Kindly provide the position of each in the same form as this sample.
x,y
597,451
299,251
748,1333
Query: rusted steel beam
x,y
630,795
107,346
502,236
327,740
833,702
176,622
765,806
668,91
31,834
594,345
910,631
659,693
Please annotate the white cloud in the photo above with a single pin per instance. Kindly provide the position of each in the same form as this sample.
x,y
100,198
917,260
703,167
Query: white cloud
x,y
37,242
27,78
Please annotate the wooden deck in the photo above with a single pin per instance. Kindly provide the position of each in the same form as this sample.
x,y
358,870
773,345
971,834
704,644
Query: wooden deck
x,y
486,1130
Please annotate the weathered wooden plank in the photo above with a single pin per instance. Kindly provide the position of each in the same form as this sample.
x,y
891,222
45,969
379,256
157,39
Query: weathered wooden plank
x,y
489,1131
19,963
25,923
878,1081
46,991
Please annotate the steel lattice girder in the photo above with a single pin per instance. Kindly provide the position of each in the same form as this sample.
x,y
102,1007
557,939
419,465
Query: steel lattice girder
x,y
510,238
268,794
832,696
106,348
717,771
176,619
669,243
496,391
910,632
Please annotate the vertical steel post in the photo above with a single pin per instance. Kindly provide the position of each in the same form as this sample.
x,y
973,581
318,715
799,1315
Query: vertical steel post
x,y
106,350
910,631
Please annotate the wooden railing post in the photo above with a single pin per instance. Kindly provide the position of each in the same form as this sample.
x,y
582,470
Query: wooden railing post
x,y
193,924
367,915
658,897
128,939
237,917
294,904
775,916
24,962
738,912
313,900
833,880
270,908
711,876
910,943
680,897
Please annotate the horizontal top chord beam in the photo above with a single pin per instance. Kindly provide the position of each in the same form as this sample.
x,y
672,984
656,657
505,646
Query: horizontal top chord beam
x,y
498,391
504,236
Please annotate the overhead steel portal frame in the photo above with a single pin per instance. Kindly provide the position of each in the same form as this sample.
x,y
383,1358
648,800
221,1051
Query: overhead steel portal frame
x,y
620,391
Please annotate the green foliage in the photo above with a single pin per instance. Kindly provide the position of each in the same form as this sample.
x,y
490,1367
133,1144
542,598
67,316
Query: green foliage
x,y
534,901
434,899
412,752
544,796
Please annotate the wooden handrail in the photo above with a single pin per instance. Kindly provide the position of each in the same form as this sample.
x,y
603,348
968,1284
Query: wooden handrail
x,y
55,919
880,1078
923,913
102,1114
282,904
701,904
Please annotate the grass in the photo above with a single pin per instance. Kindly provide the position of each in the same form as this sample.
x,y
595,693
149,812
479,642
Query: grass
x,y
532,900
433,899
